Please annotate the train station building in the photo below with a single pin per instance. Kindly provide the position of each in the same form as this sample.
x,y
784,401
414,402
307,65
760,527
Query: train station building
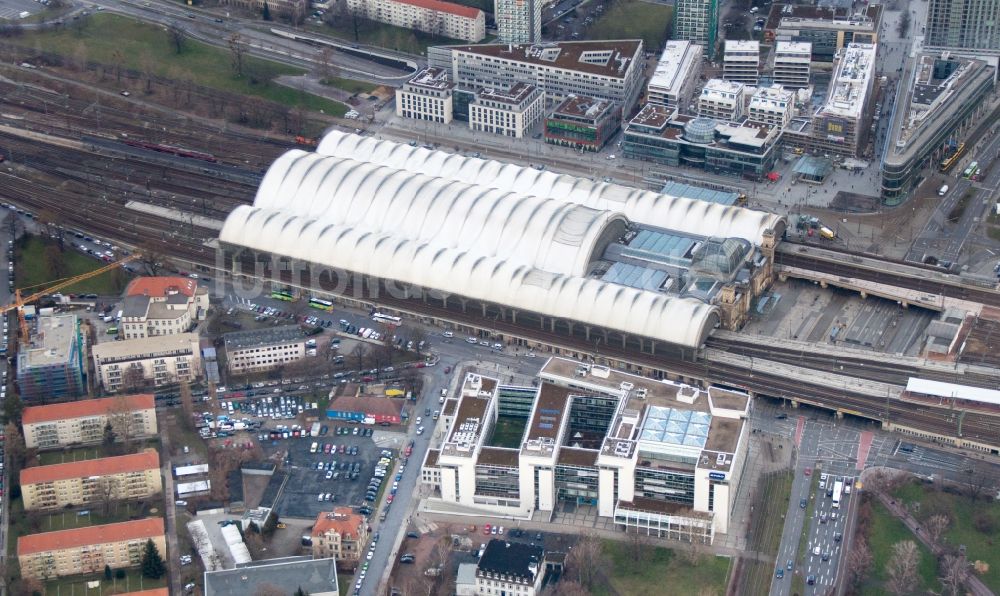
x,y
661,458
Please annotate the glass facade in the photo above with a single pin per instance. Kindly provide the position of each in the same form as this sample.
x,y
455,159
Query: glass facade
x,y
497,481
577,483
655,480
590,416
515,401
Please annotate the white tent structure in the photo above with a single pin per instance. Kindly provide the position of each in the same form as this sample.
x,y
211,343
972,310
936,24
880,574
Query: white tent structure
x,y
689,216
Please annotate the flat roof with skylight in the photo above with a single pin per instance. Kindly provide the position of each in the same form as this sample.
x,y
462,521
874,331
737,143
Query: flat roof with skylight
x,y
851,81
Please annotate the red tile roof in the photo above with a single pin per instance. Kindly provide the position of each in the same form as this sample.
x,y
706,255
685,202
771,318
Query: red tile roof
x,y
150,527
84,407
159,286
455,9
146,460
341,520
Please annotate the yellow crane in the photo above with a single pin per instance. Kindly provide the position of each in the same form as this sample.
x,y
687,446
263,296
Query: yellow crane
x,y
20,301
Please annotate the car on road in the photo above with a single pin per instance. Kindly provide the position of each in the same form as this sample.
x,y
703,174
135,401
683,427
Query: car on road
x,y
811,580
803,503
779,573
808,472
789,565
816,551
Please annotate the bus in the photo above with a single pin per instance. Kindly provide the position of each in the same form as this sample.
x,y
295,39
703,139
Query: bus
x,y
283,295
112,331
321,304
950,162
838,490
387,319
972,170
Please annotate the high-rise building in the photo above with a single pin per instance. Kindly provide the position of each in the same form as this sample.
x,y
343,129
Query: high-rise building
x,y
697,21
519,21
52,365
963,25
741,61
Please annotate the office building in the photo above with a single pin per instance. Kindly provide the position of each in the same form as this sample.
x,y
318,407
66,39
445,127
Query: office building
x,y
510,568
741,62
583,123
791,64
963,25
340,534
518,21
316,577
158,360
947,99
82,422
658,457
676,74
745,149
840,126
508,112
162,306
51,366
722,100
609,70
264,349
426,96
772,105
445,19
277,7
827,29
89,549
91,482
697,21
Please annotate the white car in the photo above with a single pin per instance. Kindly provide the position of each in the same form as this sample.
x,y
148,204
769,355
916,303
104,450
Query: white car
x,y
420,430
472,340
370,555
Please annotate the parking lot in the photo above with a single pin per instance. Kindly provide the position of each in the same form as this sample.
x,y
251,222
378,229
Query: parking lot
x,y
348,473
12,9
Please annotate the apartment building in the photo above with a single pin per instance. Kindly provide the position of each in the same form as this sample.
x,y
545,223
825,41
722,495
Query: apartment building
x,y
741,61
162,306
445,19
827,29
156,360
722,100
519,21
51,366
508,112
264,349
772,105
340,534
82,422
610,70
426,96
676,74
792,61
658,457
697,21
583,123
87,550
277,7
94,481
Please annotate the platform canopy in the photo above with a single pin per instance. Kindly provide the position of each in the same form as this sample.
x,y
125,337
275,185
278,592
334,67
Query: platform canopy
x,y
952,390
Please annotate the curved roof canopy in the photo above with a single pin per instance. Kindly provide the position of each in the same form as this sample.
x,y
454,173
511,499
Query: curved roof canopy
x,y
450,270
680,214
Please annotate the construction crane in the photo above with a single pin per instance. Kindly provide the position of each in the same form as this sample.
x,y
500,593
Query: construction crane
x,y
20,301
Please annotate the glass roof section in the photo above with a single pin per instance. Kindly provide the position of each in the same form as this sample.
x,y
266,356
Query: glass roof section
x,y
676,427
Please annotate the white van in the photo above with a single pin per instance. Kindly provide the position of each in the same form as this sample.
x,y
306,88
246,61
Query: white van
x,y
943,190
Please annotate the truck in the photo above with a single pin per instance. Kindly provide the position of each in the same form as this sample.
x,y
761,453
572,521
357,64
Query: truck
x,y
314,430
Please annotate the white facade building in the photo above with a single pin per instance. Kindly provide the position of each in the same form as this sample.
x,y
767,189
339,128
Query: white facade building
x,y
162,306
669,463
427,96
156,360
430,16
675,75
772,105
722,100
741,61
510,113
264,349
791,64
519,21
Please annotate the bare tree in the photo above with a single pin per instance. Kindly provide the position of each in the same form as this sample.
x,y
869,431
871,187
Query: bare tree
x,y
586,562
859,560
327,69
237,54
118,59
107,488
133,378
187,405
360,352
953,568
637,547
565,587
152,258
978,482
935,526
902,568
178,37
16,450
121,417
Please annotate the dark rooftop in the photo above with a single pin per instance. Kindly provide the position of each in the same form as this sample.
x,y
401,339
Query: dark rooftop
x,y
432,458
511,559
571,456
497,456
314,576
656,506
580,106
269,336
553,401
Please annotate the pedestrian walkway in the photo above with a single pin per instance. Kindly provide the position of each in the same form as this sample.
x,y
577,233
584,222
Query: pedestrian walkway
x,y
864,446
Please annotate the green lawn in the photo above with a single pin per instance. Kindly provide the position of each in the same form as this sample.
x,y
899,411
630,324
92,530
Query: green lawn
x,y
663,567
979,546
66,520
345,581
77,584
47,458
631,19
384,35
111,39
349,85
34,270
886,531
508,432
